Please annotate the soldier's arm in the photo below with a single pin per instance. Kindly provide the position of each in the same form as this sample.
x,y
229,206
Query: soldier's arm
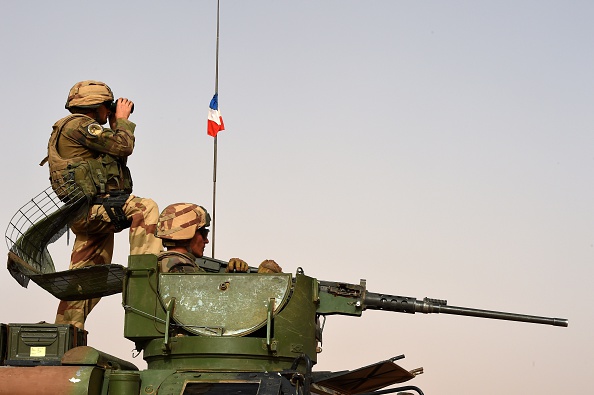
x,y
118,142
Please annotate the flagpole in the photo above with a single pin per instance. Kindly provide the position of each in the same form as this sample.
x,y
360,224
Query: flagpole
x,y
214,174
214,199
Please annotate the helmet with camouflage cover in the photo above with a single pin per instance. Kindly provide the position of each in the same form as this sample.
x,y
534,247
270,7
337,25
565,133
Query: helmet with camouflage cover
x,y
180,221
88,94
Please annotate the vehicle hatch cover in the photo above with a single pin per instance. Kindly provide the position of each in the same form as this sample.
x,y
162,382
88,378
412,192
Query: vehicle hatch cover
x,y
227,304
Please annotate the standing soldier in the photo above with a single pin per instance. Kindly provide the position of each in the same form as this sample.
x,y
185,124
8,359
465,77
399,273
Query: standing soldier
x,y
80,149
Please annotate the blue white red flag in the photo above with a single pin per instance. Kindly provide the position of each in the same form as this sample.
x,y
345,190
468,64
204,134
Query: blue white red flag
x,y
215,120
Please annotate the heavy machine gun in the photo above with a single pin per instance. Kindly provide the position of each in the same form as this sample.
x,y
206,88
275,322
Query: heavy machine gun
x,y
405,304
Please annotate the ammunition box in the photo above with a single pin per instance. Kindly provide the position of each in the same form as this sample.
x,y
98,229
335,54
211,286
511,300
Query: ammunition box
x,y
41,344
3,342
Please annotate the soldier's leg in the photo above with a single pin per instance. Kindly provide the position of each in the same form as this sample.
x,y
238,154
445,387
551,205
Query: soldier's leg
x,y
88,250
75,312
144,214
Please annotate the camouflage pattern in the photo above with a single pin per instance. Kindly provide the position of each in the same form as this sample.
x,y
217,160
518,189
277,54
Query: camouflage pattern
x,y
94,246
179,221
88,94
83,137
178,262
95,157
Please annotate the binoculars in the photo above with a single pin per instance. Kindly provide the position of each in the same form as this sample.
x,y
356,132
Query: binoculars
x,y
114,104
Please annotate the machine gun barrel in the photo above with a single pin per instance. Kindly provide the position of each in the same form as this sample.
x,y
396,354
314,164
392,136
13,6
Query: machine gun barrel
x,y
403,304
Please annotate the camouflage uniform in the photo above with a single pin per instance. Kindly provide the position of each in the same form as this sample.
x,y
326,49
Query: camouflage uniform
x,y
95,232
178,262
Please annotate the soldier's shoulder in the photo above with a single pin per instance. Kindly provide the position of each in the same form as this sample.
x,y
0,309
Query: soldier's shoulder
x,y
170,259
174,256
82,125
75,120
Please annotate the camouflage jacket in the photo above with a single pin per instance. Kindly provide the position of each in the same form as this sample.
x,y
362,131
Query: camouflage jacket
x,y
178,262
78,139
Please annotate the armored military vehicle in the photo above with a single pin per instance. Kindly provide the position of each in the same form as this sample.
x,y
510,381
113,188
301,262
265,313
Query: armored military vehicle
x,y
199,333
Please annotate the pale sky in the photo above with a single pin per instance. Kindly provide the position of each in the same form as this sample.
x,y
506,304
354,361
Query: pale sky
x,y
440,149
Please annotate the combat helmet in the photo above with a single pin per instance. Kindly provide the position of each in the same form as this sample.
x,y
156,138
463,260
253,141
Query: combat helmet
x,y
88,94
179,221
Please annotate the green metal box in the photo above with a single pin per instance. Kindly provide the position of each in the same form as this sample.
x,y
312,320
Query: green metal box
x,y
3,342
41,344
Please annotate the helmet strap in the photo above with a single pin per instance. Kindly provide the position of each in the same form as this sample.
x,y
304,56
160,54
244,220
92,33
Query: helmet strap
x,y
177,244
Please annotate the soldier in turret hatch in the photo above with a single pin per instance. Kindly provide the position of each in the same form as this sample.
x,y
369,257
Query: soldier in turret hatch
x,y
183,228
82,150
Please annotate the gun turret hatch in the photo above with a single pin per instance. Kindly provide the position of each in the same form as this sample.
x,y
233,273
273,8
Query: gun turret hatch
x,y
228,304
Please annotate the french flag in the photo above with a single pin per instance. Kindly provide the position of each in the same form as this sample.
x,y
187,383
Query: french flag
x,y
215,120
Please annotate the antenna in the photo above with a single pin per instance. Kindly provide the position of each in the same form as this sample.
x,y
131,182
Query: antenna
x,y
214,172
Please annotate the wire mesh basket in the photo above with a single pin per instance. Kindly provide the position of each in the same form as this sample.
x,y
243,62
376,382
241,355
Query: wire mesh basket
x,y
42,221
38,223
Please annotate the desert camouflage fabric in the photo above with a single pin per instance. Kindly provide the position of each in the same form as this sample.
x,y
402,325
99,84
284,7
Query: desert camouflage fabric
x,y
78,140
179,221
88,93
94,156
94,246
178,262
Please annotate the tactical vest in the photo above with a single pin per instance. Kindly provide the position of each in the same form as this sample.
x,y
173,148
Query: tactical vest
x,y
97,176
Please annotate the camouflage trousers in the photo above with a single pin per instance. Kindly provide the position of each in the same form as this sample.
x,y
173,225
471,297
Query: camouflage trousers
x,y
94,246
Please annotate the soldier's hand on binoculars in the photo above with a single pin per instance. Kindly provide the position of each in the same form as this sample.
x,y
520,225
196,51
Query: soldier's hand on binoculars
x,y
124,108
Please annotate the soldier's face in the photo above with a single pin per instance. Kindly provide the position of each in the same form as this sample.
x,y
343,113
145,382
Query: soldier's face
x,y
103,114
198,242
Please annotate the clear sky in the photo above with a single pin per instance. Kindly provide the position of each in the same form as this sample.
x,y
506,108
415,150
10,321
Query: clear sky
x,y
440,149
